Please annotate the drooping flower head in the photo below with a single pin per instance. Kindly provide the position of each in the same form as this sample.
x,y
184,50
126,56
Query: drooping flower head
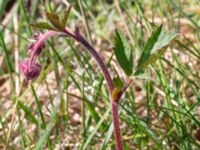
x,y
34,52
35,49
30,69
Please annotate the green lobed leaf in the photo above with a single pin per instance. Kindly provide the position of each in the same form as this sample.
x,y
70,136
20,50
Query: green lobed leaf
x,y
155,47
54,19
123,53
148,47
42,25
164,39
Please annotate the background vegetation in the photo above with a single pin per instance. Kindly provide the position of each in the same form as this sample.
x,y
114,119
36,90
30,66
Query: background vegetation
x,y
68,106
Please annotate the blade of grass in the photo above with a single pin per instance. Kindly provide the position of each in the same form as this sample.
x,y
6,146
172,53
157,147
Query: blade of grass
x,y
21,131
43,124
27,111
22,8
96,128
175,6
53,120
9,63
90,105
2,8
107,137
83,109
85,21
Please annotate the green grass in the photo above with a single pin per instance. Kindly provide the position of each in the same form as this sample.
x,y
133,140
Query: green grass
x,y
68,105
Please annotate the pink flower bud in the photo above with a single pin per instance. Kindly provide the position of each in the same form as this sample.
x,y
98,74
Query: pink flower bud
x,y
34,51
35,48
30,71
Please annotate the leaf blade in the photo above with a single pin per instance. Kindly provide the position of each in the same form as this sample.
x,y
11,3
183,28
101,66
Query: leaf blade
x,y
148,46
54,19
123,53
155,47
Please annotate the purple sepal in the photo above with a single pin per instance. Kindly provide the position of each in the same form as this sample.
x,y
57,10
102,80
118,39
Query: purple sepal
x,y
30,71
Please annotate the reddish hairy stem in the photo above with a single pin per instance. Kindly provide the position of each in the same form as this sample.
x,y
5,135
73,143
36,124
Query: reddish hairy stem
x,y
45,37
116,126
107,76
78,37
99,60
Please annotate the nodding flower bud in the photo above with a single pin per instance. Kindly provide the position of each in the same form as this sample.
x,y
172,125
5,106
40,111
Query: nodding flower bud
x,y
33,51
30,71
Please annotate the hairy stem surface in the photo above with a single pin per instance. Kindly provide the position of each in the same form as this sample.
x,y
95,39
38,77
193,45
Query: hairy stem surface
x,y
79,38
116,126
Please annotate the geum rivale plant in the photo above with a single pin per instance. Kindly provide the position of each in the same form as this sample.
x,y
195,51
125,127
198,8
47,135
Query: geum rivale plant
x,y
154,49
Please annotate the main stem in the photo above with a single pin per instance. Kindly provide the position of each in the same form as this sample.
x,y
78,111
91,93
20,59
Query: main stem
x,y
78,37
107,76
99,60
116,126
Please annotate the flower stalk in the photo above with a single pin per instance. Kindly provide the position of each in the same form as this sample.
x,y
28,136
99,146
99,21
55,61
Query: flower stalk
x,y
115,94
